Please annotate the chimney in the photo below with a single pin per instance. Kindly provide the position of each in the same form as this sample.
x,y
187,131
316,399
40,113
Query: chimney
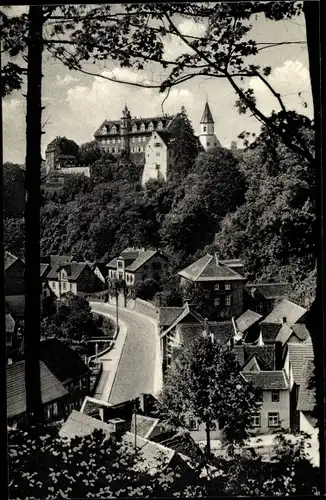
x,y
217,259
119,426
284,320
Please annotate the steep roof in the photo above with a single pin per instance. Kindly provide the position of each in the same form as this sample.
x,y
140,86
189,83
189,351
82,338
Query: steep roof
x,y
74,270
10,323
169,314
10,259
284,334
15,304
247,319
134,258
265,352
272,290
151,455
301,331
155,120
207,115
64,362
307,394
165,136
51,388
222,331
44,269
298,355
141,259
267,380
144,425
269,331
286,309
188,310
209,268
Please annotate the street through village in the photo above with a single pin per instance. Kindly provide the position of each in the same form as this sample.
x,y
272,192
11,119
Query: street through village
x,y
138,370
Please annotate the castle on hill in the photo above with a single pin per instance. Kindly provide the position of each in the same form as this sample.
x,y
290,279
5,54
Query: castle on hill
x,y
145,140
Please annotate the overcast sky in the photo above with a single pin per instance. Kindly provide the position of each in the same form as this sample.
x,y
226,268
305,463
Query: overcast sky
x,y
77,104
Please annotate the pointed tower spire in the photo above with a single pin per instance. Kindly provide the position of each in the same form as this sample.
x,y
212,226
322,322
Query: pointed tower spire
x,y
207,115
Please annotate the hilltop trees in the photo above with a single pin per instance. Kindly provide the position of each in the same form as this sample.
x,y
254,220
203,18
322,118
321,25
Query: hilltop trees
x,y
205,382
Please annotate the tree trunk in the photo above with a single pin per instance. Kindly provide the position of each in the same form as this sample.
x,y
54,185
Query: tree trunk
x,y
208,439
32,217
315,319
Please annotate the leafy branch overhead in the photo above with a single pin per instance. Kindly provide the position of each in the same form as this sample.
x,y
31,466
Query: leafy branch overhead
x,y
136,36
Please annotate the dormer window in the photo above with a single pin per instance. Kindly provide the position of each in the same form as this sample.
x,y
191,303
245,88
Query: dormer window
x,y
114,129
142,127
160,125
120,263
151,126
104,131
134,127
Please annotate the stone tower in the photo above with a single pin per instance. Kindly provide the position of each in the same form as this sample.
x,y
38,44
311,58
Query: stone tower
x,y
207,136
124,128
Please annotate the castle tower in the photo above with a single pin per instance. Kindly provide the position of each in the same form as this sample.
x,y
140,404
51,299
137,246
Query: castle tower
x,y
207,136
124,128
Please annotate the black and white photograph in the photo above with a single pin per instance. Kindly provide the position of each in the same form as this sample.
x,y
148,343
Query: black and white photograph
x,y
163,241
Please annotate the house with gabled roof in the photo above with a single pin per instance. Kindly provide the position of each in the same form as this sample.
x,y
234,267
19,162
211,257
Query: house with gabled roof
x,y
74,277
262,297
248,324
54,395
134,265
221,280
286,312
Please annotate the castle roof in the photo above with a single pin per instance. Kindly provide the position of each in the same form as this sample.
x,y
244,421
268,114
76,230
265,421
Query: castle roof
x,y
155,120
207,115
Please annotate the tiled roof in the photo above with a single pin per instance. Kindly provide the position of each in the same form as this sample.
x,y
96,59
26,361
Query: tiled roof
x,y
272,290
144,425
267,380
284,334
209,268
92,406
286,309
188,310
307,394
51,388
142,258
101,267
301,331
207,115
64,362
151,455
9,260
164,119
189,332
264,352
298,355
247,319
15,304
165,136
169,314
269,331
184,444
43,269
10,323
74,270
222,331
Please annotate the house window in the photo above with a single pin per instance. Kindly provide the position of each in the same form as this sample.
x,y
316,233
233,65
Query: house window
x,y
157,144
216,287
208,144
113,129
113,141
54,284
64,286
157,167
273,419
127,278
120,263
113,150
259,395
275,396
256,420
228,300
193,426
227,286
217,301
158,154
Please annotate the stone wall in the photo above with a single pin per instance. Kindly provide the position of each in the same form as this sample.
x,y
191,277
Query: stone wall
x,y
146,308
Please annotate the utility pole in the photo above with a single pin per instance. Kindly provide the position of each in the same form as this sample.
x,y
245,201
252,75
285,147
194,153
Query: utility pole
x,y
135,418
32,317
117,304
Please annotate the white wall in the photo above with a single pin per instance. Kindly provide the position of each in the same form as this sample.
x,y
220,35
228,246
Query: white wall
x,y
76,170
151,159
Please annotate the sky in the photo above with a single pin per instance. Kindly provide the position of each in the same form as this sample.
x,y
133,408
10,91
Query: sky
x,y
77,104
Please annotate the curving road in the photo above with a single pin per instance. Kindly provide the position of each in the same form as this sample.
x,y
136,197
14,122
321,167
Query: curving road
x,y
137,369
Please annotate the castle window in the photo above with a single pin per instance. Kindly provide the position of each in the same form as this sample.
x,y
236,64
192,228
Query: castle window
x,y
134,127
208,144
144,139
157,167
140,148
104,141
142,127
114,129
113,150
133,149
133,139
157,144
158,154
205,128
113,141
151,126
160,125
139,139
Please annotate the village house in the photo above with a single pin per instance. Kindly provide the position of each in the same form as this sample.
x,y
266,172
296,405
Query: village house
x,y
134,265
69,368
54,395
263,297
72,277
222,279
280,322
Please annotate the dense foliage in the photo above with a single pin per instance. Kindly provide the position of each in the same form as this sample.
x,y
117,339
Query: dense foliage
x,y
42,465
13,178
205,382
